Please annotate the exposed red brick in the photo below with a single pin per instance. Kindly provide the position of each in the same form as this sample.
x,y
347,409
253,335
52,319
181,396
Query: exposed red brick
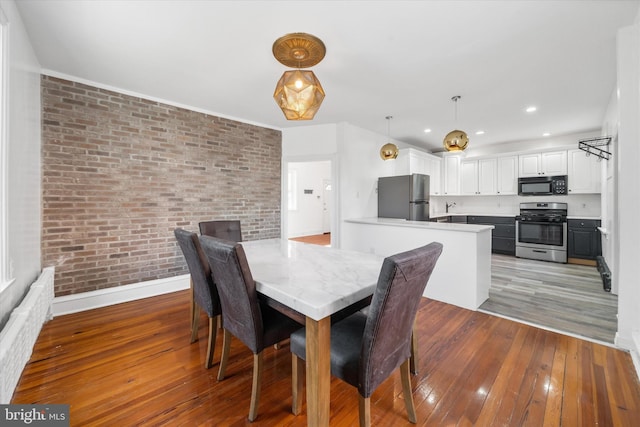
x,y
120,173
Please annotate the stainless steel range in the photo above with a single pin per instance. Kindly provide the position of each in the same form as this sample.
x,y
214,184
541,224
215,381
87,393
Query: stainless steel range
x,y
541,231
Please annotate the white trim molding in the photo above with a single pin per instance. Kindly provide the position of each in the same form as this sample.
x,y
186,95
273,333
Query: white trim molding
x,y
104,297
6,275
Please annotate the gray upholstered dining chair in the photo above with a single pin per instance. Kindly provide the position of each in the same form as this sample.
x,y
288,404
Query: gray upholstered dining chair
x,y
222,229
243,315
367,348
203,290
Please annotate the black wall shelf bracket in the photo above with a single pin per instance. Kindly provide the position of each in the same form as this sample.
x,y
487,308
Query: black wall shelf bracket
x,y
593,146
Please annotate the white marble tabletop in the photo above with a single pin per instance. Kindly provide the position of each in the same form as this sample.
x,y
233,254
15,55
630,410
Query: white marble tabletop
x,y
314,280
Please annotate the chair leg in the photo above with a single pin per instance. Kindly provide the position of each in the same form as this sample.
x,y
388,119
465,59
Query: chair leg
x,y
255,387
414,352
364,411
213,323
406,390
297,374
226,344
195,316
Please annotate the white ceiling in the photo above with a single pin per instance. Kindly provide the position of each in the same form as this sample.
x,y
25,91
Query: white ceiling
x,y
400,58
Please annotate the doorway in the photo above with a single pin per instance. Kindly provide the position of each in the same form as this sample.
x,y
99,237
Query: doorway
x,y
310,197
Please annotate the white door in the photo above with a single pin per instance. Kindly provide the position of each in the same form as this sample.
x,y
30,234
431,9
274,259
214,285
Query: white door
x,y
327,199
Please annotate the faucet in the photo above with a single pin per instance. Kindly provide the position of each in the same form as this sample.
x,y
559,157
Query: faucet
x,y
449,205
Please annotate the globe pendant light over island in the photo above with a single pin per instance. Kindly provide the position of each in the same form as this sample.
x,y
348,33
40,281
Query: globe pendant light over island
x,y
389,151
299,93
456,140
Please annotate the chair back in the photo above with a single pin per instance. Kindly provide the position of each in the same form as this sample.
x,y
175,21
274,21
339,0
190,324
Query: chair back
x,y
204,289
225,229
386,342
241,314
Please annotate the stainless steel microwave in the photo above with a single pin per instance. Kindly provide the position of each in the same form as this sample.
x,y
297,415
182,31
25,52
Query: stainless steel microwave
x,y
543,186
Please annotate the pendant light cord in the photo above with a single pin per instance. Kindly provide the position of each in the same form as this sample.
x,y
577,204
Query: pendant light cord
x,y
455,110
389,127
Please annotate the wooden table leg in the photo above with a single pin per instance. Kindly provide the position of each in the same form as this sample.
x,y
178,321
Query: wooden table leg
x,y
318,371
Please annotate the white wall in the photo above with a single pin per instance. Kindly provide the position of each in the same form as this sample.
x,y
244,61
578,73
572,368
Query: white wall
x,y
609,197
24,195
627,234
361,165
308,217
356,166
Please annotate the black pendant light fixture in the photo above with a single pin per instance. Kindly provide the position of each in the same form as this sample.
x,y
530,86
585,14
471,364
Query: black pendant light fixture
x,y
456,140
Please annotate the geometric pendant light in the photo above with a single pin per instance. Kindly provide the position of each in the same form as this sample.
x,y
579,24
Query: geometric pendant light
x,y
389,151
456,140
299,93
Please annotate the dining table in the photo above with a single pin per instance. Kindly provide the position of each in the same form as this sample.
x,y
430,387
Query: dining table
x,y
311,283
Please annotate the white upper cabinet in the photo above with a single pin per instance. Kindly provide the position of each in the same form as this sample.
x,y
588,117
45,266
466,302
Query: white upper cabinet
x,y
487,176
584,172
414,161
549,163
478,176
469,177
434,170
451,175
507,180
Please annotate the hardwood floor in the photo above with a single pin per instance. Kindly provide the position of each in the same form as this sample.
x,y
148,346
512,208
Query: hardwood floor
x,y
132,364
316,239
563,297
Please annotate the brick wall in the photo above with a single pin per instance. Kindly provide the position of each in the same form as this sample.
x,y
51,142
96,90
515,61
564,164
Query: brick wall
x,y
120,173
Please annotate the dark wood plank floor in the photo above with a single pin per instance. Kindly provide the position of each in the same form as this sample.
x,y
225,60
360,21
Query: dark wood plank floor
x,y
132,364
562,297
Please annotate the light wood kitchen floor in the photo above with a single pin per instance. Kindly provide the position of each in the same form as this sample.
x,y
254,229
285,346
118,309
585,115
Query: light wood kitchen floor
x,y
562,297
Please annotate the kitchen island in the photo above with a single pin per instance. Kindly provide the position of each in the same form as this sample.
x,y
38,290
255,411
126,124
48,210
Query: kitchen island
x,y
462,275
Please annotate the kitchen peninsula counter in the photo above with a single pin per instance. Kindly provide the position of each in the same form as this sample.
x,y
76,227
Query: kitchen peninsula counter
x,y
463,273
445,214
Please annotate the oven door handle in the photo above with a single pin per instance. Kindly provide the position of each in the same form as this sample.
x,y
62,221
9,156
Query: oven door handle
x,y
541,222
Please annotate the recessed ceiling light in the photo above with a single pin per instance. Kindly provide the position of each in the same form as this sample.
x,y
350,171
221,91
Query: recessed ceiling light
x,y
546,134
531,109
427,130
480,132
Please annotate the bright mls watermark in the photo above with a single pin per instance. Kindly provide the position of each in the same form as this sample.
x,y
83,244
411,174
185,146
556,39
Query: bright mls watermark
x,y
34,415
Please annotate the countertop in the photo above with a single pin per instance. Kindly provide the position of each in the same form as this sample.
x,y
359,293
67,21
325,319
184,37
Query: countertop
x,y
465,228
443,214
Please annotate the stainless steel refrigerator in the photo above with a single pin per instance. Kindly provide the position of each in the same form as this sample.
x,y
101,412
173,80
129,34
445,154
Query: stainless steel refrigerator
x,y
404,196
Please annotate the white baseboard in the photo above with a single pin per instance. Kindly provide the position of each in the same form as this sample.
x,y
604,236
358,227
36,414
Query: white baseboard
x,y
101,298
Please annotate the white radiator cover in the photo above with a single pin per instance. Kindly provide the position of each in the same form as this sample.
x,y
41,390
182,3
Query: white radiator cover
x,y
20,333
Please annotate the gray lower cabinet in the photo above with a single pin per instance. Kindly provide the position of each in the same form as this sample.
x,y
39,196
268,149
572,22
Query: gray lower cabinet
x,y
460,219
503,236
584,241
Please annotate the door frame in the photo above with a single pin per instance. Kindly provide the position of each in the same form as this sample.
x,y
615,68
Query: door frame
x,y
335,206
